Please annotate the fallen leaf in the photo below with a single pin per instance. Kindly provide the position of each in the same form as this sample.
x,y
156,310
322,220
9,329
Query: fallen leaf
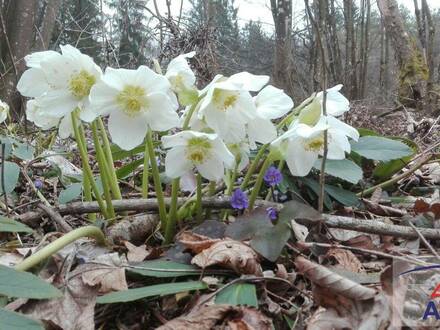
x,y
420,207
136,253
230,254
345,260
196,243
383,210
300,231
220,316
324,277
75,310
106,271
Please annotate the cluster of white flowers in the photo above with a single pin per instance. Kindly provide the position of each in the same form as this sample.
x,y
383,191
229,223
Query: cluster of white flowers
x,y
4,111
227,118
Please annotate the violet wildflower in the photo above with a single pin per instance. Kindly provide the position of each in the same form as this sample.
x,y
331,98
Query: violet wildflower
x,y
273,176
272,213
239,200
38,184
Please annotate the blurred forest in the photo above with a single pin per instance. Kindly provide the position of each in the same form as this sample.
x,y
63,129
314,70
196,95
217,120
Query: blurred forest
x,y
380,51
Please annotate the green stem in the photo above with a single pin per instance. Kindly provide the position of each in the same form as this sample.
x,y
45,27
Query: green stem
x,y
211,192
188,116
156,179
104,170
145,173
113,179
88,196
257,187
199,194
253,166
55,246
172,217
80,138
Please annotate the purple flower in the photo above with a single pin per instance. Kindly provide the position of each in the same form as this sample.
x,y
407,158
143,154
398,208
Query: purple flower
x,y
273,176
239,200
38,184
272,213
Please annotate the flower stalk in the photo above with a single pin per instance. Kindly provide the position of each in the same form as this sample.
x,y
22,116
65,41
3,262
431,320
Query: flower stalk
x,y
258,183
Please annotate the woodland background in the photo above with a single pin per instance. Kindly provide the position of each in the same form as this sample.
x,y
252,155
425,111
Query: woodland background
x,y
380,51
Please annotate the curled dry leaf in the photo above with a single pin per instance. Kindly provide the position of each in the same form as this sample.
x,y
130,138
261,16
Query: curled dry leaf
x,y
107,272
420,206
383,210
220,317
75,310
324,277
136,253
196,243
345,260
230,254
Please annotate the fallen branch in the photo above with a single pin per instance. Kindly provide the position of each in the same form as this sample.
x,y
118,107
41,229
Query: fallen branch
x,y
138,205
373,227
55,216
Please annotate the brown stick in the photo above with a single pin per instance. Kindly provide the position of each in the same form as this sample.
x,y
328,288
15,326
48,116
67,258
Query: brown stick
x,y
139,205
55,216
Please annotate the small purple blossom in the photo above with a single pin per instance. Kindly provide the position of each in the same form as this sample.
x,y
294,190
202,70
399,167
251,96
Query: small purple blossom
x,y
38,184
239,200
273,176
272,213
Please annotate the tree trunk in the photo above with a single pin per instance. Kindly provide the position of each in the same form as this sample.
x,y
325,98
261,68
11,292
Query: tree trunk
x,y
282,68
18,37
413,71
350,50
47,24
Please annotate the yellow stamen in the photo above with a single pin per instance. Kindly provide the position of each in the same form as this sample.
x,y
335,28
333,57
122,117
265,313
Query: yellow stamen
x,y
198,150
132,100
224,99
81,83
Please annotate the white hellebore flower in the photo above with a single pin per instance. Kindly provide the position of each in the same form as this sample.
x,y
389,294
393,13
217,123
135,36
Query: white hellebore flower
x,y
136,100
205,152
4,111
228,106
271,103
336,103
179,73
302,144
60,82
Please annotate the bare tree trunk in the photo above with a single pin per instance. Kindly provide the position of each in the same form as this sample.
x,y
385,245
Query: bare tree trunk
x,y
413,71
282,68
365,40
18,35
350,49
47,24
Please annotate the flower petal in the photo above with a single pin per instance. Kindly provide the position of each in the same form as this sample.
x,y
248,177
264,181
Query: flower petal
x,y
299,160
176,163
249,81
272,102
32,83
261,130
127,132
161,113
212,169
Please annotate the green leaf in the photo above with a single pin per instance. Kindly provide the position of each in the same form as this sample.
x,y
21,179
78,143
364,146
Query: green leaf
x,y
386,170
247,226
12,172
380,148
24,151
270,242
344,169
238,294
119,153
129,168
343,196
19,284
71,192
314,186
11,226
150,291
15,321
164,268
8,145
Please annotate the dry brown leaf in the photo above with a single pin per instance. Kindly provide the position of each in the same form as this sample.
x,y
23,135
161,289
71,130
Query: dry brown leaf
x,y
73,311
420,206
364,241
203,318
324,319
324,277
106,272
230,254
250,319
383,210
221,317
196,243
346,260
300,231
136,253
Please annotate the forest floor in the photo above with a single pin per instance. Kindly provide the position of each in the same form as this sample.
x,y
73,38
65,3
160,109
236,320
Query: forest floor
x,y
334,271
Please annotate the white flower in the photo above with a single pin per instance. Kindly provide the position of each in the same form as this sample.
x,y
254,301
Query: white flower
x,y
205,152
136,100
302,144
336,103
270,103
61,82
4,111
180,74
